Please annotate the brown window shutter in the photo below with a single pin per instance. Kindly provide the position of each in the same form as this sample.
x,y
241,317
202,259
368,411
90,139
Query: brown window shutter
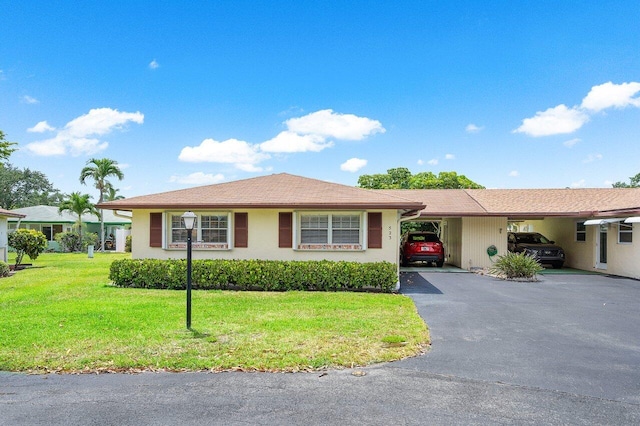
x,y
285,229
241,230
155,229
374,236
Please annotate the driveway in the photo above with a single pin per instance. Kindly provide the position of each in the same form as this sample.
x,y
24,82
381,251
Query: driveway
x,y
572,333
565,350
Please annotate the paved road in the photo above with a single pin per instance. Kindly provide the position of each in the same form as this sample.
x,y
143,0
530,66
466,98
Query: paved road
x,y
562,351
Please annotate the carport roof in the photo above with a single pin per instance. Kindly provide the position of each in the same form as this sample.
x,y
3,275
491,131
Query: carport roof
x,y
583,202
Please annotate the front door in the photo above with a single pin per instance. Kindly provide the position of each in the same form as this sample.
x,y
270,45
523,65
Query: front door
x,y
601,247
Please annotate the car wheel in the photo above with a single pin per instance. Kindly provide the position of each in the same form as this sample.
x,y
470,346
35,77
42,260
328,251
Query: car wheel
x,y
557,265
440,264
404,261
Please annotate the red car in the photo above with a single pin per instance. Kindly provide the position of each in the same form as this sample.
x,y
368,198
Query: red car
x,y
421,247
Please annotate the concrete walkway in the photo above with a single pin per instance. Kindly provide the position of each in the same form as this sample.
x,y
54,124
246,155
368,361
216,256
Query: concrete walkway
x,y
561,351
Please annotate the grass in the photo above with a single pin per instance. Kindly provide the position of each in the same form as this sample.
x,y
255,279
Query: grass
x,y
63,315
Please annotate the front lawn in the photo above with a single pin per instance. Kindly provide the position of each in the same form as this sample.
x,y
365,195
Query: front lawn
x,y
63,315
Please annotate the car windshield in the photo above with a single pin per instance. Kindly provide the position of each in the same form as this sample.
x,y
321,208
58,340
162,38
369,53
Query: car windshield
x,y
532,239
423,238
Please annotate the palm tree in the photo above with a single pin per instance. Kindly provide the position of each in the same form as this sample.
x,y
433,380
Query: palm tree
x,y
112,194
79,204
99,170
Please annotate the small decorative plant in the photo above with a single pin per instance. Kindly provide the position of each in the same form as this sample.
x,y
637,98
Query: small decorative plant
x,y
29,242
516,266
4,269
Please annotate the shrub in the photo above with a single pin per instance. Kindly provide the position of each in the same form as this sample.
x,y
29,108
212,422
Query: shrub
x,y
29,242
264,275
516,266
4,269
70,241
127,244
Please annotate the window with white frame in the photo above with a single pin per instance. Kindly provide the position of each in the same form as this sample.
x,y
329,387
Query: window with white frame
x,y
178,231
213,228
625,233
581,232
345,229
208,228
330,228
314,229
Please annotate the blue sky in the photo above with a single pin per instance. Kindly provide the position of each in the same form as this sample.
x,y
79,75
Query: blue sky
x,y
512,94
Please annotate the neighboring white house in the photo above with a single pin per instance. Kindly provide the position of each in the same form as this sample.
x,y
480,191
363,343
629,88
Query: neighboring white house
x,y
290,217
4,233
49,221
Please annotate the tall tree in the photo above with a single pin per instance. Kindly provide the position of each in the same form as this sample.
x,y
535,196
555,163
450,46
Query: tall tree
x,y
112,194
99,170
634,182
401,178
5,147
25,188
79,204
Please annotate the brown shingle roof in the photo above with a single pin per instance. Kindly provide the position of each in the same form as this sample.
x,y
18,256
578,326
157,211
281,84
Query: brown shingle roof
x,y
7,213
274,191
585,202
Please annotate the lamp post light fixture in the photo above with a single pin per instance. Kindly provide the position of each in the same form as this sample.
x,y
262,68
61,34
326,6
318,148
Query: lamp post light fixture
x,y
189,219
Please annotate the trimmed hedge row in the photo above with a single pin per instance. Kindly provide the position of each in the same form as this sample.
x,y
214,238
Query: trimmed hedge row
x,y
265,275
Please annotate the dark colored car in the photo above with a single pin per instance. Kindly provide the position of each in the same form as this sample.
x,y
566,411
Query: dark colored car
x,y
421,247
536,244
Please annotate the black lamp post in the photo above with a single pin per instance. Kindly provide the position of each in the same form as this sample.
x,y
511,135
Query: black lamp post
x,y
189,219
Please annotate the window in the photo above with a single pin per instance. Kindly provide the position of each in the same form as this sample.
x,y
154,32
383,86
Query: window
x,y
625,233
213,229
581,231
178,232
345,229
339,231
314,229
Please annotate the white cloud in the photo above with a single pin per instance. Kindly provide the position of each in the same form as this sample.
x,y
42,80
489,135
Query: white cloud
x,y
592,157
609,95
232,151
198,178
514,173
472,128
124,166
420,162
353,165
578,184
553,121
41,127
330,124
433,162
449,157
76,136
293,142
29,100
154,64
571,142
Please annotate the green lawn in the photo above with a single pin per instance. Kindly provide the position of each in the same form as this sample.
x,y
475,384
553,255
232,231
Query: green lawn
x,y
63,315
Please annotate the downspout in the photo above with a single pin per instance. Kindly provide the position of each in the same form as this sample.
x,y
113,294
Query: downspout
x,y
401,219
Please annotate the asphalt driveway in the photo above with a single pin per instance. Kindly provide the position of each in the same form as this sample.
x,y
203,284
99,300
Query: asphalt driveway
x,y
565,350
572,333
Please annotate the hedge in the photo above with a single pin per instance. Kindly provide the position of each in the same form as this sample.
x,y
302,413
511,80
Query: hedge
x,y
261,275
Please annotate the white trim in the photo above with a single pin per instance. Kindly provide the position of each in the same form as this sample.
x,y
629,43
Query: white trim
x,y
635,219
602,221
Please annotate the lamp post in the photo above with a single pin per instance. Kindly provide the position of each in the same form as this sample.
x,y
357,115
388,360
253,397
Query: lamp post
x,y
189,219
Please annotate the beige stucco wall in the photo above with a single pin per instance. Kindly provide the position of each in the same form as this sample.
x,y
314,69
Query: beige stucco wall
x,y
263,241
478,233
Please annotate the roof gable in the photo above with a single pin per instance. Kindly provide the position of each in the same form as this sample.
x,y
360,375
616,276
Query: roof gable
x,y
273,191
